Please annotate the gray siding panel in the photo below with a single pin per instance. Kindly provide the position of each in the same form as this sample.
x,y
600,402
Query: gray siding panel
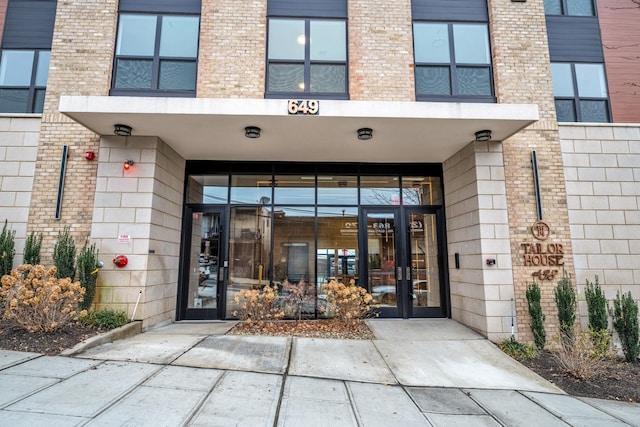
x,y
308,8
450,10
161,6
574,39
29,24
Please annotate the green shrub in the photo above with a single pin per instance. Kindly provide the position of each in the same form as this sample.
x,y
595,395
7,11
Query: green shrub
x,y
105,319
598,320
518,350
565,297
537,316
625,322
64,255
32,249
7,249
88,273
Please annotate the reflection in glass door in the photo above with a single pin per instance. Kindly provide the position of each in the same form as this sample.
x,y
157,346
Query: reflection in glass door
x,y
423,258
205,276
382,261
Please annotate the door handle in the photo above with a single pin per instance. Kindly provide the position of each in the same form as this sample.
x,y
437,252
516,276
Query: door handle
x,y
399,273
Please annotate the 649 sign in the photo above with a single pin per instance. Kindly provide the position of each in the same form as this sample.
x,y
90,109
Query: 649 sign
x,y
303,107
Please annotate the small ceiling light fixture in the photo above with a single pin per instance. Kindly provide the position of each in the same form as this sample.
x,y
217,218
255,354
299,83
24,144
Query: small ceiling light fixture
x,y
122,130
483,135
252,132
127,164
365,134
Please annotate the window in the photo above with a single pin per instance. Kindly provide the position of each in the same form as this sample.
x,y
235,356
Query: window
x,y
156,53
580,92
569,7
452,60
307,56
23,80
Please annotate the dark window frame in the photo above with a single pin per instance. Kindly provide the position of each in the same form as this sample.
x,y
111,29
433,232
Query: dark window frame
x,y
453,68
307,62
576,98
33,88
154,90
564,8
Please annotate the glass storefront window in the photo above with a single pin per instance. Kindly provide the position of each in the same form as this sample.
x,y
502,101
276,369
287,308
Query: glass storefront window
x,y
294,189
379,190
421,191
208,189
337,190
251,189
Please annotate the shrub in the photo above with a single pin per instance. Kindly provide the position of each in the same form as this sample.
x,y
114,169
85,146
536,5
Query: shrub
x,y
347,303
105,319
598,321
518,350
32,249
625,322
579,358
565,297
298,298
64,255
38,301
537,316
257,305
7,249
88,273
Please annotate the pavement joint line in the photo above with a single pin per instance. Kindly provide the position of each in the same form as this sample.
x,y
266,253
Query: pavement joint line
x,y
393,374
468,393
558,416
285,375
604,410
196,409
170,362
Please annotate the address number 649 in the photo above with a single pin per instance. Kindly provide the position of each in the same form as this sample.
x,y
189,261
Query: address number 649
x,y
310,107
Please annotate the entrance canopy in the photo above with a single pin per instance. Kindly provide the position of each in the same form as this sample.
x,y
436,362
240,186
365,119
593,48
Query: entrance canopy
x,y
207,128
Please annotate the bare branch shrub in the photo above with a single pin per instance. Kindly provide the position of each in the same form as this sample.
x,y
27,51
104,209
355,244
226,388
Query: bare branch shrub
x,y
579,358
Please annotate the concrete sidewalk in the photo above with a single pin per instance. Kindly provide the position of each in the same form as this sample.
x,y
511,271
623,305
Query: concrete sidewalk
x,y
415,373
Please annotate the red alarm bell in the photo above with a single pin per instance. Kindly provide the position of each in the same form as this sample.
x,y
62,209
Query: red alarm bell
x,y
89,155
120,261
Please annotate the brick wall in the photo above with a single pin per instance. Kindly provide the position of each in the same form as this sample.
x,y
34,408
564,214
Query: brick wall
x,y
18,150
81,59
232,51
602,169
145,204
3,15
522,75
380,51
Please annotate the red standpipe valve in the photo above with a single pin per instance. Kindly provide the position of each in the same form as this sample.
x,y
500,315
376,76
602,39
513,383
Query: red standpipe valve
x,y
120,261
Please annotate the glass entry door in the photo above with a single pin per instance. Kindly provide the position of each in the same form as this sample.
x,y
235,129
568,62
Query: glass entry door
x,y
205,275
403,262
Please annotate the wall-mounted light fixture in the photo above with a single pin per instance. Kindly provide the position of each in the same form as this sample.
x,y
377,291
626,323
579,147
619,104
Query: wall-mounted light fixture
x,y
252,132
483,135
122,130
365,134
127,164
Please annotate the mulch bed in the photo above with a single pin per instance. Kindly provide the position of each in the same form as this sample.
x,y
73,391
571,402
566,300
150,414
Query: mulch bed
x,y
51,343
618,380
305,328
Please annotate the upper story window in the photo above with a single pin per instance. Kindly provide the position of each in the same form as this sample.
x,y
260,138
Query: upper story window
x,y
580,92
569,7
23,80
156,54
307,56
452,60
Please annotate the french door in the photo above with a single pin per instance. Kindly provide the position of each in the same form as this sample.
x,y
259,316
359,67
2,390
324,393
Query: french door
x,y
404,263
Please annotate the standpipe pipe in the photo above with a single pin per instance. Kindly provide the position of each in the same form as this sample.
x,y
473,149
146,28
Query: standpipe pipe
x,y
133,315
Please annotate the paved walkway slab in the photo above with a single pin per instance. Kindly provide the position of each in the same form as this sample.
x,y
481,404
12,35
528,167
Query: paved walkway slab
x,y
148,347
451,401
420,330
574,411
397,409
463,364
626,411
351,360
51,366
194,328
243,353
10,358
514,409
15,387
182,377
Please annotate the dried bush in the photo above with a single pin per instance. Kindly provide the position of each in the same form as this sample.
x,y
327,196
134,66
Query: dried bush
x,y
37,301
537,316
299,298
257,305
579,358
347,303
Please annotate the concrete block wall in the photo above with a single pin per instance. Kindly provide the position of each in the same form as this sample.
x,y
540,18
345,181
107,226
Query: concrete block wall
x,y
478,229
145,205
18,151
380,51
602,171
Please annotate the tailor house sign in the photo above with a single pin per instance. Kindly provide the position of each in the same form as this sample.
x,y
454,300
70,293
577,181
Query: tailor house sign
x,y
546,256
